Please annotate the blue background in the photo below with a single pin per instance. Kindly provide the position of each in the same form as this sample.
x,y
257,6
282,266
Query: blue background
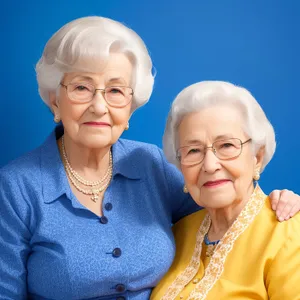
x,y
252,43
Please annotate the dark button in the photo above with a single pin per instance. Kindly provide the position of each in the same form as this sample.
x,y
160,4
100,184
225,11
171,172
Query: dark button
x,y
120,288
116,252
108,206
103,220
121,298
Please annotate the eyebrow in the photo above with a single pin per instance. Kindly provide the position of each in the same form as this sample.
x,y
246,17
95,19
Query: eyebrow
x,y
92,80
117,79
197,141
223,136
193,142
88,78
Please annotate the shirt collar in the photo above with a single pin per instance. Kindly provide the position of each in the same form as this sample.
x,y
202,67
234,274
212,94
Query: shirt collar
x,y
125,162
54,179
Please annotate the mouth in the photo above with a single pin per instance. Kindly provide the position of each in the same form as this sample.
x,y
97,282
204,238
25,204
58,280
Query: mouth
x,y
97,124
216,183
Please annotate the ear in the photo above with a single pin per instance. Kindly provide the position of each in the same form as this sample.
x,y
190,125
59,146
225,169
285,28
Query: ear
x,y
54,103
259,157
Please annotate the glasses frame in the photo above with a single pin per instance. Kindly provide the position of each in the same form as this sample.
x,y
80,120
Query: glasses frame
x,y
103,94
178,157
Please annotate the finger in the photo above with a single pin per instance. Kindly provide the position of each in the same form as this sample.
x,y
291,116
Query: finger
x,y
274,196
286,202
286,212
294,211
282,201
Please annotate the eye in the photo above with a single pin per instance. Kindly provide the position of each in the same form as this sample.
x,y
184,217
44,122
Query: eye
x,y
79,87
192,151
115,90
226,145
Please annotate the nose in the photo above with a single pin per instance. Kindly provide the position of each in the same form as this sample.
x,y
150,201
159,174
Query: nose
x,y
210,163
98,103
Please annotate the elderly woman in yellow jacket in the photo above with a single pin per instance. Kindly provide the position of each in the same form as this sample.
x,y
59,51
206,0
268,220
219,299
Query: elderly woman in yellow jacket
x,y
220,138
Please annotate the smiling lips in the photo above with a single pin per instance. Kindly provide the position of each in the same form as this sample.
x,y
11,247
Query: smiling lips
x,y
98,124
215,183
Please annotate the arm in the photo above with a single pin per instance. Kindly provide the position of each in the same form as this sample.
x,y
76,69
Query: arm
x,y
286,204
14,242
181,204
282,280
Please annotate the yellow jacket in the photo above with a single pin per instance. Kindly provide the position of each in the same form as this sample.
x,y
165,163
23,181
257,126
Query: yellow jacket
x,y
258,258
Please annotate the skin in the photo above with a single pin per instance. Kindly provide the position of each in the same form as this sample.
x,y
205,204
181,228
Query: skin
x,y
225,200
88,146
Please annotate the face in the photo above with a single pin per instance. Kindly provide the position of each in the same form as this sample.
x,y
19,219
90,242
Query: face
x,y
217,183
95,124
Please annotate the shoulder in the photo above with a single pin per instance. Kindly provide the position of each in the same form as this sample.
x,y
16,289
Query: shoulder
x,y
287,228
20,186
140,152
141,147
27,170
25,166
189,225
273,234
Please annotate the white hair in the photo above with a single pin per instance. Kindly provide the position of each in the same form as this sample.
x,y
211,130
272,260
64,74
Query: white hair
x,y
94,38
211,93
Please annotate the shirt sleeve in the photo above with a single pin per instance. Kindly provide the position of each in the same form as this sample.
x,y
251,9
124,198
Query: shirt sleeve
x,y
181,204
283,278
14,240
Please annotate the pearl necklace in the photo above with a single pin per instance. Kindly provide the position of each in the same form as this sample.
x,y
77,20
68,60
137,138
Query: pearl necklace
x,y
75,177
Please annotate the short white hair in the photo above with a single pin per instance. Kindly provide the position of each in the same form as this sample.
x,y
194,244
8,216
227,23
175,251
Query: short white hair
x,y
205,94
93,38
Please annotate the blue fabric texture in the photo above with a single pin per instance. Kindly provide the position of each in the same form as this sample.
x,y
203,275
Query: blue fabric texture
x,y
52,247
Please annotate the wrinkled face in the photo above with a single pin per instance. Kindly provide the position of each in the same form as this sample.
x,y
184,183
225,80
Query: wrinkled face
x,y
95,124
217,183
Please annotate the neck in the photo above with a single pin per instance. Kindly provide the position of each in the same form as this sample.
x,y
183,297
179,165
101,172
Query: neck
x,y
90,163
223,218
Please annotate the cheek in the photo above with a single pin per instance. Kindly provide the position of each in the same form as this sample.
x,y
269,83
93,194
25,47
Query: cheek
x,y
119,116
242,175
241,167
72,112
191,175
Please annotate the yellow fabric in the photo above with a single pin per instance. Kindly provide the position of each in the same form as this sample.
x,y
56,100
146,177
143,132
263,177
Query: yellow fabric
x,y
263,264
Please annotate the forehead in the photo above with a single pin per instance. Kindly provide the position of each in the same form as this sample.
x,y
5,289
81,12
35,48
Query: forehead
x,y
116,67
210,124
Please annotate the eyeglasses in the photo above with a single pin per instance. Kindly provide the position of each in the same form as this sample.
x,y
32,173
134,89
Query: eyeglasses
x,y
223,149
115,96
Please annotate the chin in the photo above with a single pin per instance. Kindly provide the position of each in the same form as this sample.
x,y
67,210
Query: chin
x,y
96,142
218,200
219,203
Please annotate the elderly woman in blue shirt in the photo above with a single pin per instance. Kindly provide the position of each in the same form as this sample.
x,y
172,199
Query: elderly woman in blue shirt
x,y
88,215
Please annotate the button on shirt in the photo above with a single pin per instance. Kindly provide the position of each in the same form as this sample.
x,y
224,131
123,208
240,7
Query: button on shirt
x,y
52,247
117,252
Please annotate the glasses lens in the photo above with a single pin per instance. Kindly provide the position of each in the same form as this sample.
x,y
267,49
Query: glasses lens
x,y
226,149
80,92
118,96
191,154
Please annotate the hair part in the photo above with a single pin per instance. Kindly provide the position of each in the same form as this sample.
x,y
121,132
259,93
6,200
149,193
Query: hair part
x,y
206,94
92,39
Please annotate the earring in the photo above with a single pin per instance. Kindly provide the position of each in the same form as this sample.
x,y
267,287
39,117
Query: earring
x,y
56,118
256,175
127,126
185,190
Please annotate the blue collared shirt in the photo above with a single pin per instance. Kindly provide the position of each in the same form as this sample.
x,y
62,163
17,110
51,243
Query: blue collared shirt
x,y
52,247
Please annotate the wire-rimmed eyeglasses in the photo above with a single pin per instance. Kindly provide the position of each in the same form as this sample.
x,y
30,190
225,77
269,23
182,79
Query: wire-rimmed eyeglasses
x,y
223,149
115,96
